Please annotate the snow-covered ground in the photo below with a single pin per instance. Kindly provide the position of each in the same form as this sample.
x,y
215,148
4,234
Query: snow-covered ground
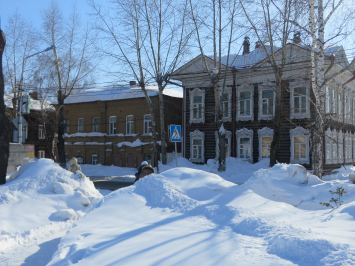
x,y
183,216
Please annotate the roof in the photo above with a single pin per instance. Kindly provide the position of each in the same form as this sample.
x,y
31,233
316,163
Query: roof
x,y
36,105
118,93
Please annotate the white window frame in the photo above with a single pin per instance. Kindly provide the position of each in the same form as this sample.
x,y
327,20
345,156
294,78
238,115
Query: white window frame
x,y
329,135
41,132
80,127
348,147
264,132
261,115
227,90
227,136
112,125
80,160
196,134
95,127
197,92
93,160
245,133
41,154
147,124
295,132
245,117
131,123
327,100
293,86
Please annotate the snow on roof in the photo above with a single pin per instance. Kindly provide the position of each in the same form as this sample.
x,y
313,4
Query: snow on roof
x,y
118,93
36,105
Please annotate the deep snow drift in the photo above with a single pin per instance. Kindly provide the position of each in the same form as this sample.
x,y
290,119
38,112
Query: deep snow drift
x,y
40,204
191,217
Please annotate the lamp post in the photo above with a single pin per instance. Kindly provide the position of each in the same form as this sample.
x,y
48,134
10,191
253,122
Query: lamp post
x,y
21,89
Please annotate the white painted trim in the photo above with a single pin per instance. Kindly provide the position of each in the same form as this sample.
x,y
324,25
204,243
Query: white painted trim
x,y
307,114
260,115
245,133
227,90
229,137
264,132
328,133
197,134
246,88
197,92
299,131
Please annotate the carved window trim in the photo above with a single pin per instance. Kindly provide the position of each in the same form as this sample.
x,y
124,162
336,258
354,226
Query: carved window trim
x,y
264,132
227,90
261,116
307,114
246,88
299,131
229,137
197,134
245,133
197,92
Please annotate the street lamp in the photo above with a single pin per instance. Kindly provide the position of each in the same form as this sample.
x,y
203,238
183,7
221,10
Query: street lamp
x,y
20,89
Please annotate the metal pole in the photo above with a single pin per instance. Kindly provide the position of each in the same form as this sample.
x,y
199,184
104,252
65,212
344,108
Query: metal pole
x,y
176,155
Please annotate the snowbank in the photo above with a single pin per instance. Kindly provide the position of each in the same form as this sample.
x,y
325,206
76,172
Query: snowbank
x,y
191,217
43,199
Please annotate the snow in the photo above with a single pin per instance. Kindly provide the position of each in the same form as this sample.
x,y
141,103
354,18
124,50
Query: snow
x,y
183,216
119,93
136,143
36,105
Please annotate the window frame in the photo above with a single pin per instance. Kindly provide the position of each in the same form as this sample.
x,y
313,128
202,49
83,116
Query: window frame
x,y
245,133
196,134
80,127
295,132
41,134
197,92
294,85
131,122
262,133
41,154
328,135
112,129
95,126
227,91
80,160
145,121
250,117
92,159
261,115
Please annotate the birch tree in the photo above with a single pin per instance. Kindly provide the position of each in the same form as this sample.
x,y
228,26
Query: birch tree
x,y
72,61
221,33
4,129
272,29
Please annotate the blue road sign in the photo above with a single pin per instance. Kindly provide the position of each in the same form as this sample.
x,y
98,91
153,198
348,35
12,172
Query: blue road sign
x,y
175,133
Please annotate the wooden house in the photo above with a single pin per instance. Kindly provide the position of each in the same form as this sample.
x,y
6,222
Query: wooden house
x,y
248,102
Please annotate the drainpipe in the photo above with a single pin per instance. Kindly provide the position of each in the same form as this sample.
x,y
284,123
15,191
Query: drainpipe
x,y
234,109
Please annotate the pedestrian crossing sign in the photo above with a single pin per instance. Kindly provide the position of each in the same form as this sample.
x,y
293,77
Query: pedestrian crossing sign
x,y
175,133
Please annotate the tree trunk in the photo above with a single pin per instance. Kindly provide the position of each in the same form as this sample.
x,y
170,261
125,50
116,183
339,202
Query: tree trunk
x,y
219,128
61,138
162,124
4,133
317,148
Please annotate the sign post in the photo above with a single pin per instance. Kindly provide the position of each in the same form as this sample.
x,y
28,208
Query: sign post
x,y
175,136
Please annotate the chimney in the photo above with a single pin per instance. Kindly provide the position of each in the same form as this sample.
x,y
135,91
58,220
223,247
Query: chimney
x,y
297,38
257,44
132,83
34,95
246,45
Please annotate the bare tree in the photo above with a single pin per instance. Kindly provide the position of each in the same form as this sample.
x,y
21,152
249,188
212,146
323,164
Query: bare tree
x,y
72,64
273,29
20,43
222,30
4,129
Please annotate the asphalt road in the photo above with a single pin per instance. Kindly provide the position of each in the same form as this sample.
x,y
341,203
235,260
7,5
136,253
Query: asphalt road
x,y
111,185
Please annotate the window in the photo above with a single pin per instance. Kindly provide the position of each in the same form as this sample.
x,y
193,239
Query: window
x,y
197,139
340,147
299,145
80,160
129,124
327,100
340,105
353,102
112,125
95,124
353,150
41,154
265,139
245,144
66,128
245,105
148,158
328,150
334,148
94,159
268,102
197,106
300,100
225,104
228,137
41,132
334,102
147,124
80,125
